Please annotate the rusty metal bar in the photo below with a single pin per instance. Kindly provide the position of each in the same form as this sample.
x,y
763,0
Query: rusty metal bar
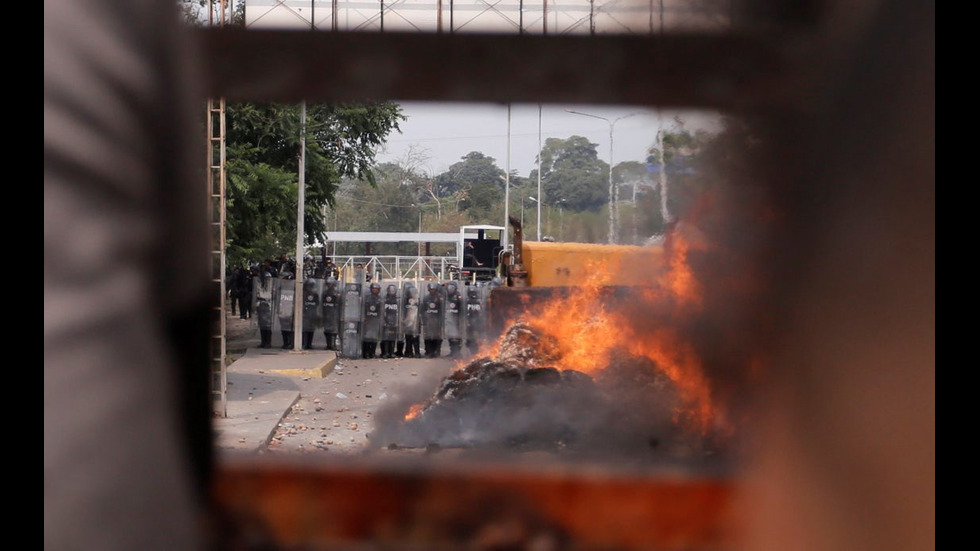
x,y
344,505
725,72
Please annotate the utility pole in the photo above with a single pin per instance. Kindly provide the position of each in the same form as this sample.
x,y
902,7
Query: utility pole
x,y
300,230
505,241
539,173
613,190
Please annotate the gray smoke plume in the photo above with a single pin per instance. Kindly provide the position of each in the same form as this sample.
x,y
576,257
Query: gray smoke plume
x,y
515,403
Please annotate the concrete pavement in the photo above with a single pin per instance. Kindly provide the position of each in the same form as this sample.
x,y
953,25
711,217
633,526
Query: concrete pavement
x,y
261,389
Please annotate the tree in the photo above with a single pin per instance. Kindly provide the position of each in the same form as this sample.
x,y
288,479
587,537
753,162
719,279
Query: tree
x,y
390,205
572,172
475,183
263,167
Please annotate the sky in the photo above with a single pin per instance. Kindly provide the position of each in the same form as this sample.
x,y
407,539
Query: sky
x,y
443,133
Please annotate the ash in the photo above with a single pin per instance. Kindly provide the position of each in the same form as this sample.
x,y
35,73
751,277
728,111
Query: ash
x,y
522,400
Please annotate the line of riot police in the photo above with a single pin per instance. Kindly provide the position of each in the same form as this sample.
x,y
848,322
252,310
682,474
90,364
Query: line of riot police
x,y
385,319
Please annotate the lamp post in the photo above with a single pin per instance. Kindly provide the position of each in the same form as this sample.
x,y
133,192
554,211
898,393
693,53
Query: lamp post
x,y
539,170
535,199
561,220
505,241
613,194
561,212
522,211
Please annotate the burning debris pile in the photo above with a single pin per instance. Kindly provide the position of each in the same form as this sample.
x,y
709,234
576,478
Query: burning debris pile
x,y
522,399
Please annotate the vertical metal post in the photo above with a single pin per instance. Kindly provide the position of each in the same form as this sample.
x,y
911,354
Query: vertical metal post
x,y
613,194
544,17
539,172
520,19
505,240
592,17
300,230
216,175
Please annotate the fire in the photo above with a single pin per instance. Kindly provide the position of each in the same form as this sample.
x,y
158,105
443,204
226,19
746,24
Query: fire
x,y
413,412
591,334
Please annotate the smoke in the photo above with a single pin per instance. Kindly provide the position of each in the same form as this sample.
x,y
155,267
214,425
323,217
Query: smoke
x,y
627,414
675,388
389,417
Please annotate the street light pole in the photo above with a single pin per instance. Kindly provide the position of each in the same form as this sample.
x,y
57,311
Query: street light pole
x,y
613,192
505,241
300,230
539,171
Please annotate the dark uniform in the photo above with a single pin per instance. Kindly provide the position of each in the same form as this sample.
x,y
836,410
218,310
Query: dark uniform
x,y
244,290
330,312
287,294
263,308
454,319
311,312
352,317
432,321
410,321
389,322
371,331
476,319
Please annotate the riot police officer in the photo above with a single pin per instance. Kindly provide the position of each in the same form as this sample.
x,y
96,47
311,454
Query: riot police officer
x,y
263,308
371,333
476,319
432,321
352,321
285,308
410,321
453,330
389,321
330,305
311,311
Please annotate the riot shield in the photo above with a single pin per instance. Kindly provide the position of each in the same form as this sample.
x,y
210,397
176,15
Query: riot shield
x,y
350,337
431,311
453,320
285,310
330,301
409,310
408,331
263,292
389,318
371,324
476,317
312,291
432,319
373,306
391,314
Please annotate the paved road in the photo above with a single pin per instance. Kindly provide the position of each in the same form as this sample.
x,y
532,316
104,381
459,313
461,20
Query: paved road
x,y
287,402
336,413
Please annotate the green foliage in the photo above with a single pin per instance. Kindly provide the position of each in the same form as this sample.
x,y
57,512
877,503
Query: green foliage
x,y
475,183
263,145
573,174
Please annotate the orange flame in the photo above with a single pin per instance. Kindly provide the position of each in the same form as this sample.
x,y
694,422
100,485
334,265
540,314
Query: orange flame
x,y
589,341
589,333
414,411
